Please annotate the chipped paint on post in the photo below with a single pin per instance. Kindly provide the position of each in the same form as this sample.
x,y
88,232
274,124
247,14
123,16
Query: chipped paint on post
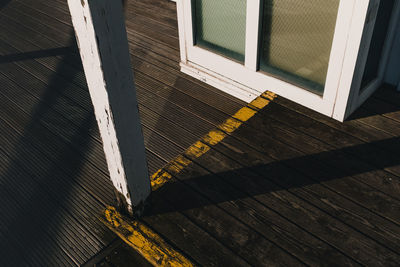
x,y
140,237
100,32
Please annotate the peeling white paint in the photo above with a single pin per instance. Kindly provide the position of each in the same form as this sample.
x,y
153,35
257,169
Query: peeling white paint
x,y
100,30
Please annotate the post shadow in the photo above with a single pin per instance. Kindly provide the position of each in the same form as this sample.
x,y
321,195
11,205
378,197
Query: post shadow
x,y
251,181
51,174
35,54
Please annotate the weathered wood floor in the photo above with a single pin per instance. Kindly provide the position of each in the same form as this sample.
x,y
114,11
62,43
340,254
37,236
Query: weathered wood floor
x,y
290,187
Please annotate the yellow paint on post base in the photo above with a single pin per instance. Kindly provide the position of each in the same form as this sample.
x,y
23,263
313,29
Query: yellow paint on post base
x,y
147,243
136,234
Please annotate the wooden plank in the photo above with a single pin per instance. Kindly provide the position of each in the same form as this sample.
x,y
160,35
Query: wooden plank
x,y
197,238
293,181
297,184
222,189
72,93
159,14
212,191
151,19
354,221
100,32
352,127
167,53
381,123
374,153
68,107
216,192
150,89
185,87
117,254
63,105
45,149
246,243
40,228
167,73
175,226
375,106
61,13
11,254
331,164
217,250
54,122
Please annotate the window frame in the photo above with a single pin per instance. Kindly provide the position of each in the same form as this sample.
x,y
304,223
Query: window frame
x,y
208,66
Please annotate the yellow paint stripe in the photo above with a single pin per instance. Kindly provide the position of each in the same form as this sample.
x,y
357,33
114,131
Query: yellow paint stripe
x,y
211,139
258,103
214,137
159,178
151,246
269,95
136,234
244,114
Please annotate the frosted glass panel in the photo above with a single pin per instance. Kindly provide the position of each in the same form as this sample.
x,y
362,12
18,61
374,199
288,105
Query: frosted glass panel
x,y
296,40
220,26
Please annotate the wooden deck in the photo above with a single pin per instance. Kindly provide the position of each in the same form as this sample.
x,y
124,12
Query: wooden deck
x,y
289,187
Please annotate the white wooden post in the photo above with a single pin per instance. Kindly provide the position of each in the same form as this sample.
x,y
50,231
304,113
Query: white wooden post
x,y
101,35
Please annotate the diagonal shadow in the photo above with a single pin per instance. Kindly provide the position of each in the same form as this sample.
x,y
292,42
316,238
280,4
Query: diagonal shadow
x,y
375,106
42,170
35,54
260,179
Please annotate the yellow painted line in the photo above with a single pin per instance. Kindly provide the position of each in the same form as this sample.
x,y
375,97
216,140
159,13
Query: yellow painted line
x,y
215,136
140,237
150,245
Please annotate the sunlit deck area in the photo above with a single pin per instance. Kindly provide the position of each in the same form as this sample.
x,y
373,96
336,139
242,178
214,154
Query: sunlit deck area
x,y
289,187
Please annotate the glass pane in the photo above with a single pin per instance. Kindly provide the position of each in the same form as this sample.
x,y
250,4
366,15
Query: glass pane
x,y
296,40
220,26
377,42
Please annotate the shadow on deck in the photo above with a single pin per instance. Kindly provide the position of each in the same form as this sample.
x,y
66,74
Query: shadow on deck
x,y
289,187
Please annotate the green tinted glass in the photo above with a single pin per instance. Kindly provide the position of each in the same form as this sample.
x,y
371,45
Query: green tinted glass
x,y
296,40
220,26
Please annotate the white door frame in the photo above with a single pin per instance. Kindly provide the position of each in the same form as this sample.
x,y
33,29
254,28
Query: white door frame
x,y
244,82
357,95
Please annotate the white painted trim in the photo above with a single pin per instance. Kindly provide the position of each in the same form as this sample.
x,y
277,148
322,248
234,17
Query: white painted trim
x,y
368,91
248,77
353,44
252,33
239,79
363,51
258,82
389,39
356,97
338,52
101,35
181,30
187,17
218,81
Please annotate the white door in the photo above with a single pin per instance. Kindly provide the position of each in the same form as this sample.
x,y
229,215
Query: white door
x,y
303,50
